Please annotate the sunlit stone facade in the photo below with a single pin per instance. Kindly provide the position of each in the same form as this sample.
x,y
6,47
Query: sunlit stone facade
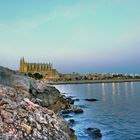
x,y
45,69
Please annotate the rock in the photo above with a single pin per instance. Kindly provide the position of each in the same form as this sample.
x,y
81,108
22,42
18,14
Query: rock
x,y
71,122
48,96
8,116
28,120
66,115
72,130
71,97
95,133
71,100
38,126
76,99
91,100
76,109
40,118
72,109
25,109
82,106
6,76
65,112
37,134
26,127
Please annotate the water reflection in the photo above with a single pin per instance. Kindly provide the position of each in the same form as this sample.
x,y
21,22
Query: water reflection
x,y
88,90
103,91
132,87
103,88
113,88
118,88
126,88
114,91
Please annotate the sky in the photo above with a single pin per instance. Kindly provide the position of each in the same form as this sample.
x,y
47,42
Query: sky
x,y
84,36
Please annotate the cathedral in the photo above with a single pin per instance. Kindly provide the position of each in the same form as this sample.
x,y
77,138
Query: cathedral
x,y
46,70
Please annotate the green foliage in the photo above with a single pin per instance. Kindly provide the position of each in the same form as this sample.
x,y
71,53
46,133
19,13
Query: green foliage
x,y
38,76
30,74
35,75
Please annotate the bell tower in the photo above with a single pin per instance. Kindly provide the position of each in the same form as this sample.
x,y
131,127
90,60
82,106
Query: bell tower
x,y
22,62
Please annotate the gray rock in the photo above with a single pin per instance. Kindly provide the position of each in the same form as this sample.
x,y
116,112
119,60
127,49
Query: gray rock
x,y
95,133
91,100
71,122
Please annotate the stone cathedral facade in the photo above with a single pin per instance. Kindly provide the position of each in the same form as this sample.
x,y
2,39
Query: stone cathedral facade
x,y
45,69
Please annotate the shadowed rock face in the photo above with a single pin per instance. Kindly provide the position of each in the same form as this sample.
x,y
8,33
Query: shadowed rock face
x,y
13,79
22,118
45,95
48,96
6,76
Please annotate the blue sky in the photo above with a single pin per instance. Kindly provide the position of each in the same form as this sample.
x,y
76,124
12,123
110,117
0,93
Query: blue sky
x,y
75,35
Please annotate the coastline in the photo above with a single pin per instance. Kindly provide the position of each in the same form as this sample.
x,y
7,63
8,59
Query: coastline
x,y
36,103
30,109
92,81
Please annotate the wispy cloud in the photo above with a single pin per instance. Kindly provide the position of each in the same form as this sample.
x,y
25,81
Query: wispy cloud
x,y
61,11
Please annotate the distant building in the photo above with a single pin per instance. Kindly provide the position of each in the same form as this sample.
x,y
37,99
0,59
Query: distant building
x,y
45,69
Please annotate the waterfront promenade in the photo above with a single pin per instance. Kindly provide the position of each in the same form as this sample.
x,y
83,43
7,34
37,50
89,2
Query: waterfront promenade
x,y
93,81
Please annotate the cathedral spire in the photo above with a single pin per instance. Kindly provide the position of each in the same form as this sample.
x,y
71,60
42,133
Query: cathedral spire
x,y
21,67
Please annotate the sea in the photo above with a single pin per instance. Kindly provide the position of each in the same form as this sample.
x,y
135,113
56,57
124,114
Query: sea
x,y
116,113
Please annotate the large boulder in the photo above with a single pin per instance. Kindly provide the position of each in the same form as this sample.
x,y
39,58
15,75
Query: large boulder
x,y
72,109
48,96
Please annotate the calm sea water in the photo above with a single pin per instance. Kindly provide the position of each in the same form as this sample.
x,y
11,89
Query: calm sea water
x,y
116,114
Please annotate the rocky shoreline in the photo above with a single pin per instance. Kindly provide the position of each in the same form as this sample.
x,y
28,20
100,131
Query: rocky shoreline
x,y
30,109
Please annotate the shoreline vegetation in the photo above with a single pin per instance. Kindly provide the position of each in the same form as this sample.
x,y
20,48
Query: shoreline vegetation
x,y
92,81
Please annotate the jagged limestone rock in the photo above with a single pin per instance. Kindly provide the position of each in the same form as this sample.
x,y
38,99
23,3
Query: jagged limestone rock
x,y
21,117
29,120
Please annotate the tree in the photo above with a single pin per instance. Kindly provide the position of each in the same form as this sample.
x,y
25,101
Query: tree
x,y
29,74
38,76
